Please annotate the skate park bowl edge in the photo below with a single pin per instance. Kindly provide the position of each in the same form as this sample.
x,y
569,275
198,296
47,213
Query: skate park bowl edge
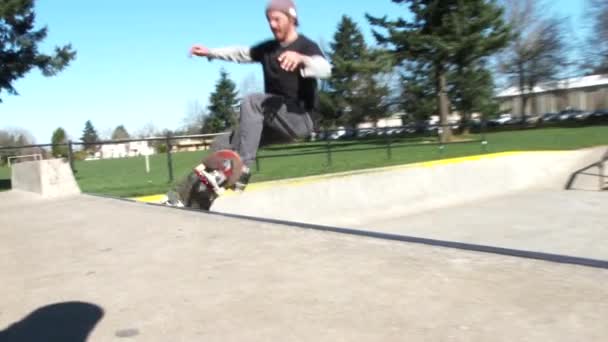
x,y
366,196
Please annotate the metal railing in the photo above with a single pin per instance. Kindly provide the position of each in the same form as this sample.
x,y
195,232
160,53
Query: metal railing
x,y
326,143
380,136
602,174
168,141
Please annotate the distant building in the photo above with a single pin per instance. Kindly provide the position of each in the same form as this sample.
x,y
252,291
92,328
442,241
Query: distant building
x,y
124,150
587,93
394,120
191,145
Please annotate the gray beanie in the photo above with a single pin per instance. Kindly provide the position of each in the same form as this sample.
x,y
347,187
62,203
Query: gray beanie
x,y
286,6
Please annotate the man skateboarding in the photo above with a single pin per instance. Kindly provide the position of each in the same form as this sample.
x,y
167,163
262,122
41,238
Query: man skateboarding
x,y
291,64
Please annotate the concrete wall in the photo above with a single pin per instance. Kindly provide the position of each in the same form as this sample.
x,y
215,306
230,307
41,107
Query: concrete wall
x,y
25,176
359,197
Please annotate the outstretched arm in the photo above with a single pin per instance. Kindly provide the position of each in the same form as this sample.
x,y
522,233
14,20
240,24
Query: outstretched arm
x,y
310,66
231,54
315,67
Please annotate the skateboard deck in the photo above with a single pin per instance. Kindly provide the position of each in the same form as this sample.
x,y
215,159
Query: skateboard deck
x,y
215,174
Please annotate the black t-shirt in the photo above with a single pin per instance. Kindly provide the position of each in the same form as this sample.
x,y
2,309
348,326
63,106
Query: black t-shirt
x,y
290,85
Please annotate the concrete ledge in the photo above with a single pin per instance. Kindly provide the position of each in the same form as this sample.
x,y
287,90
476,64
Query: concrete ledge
x,y
48,178
362,197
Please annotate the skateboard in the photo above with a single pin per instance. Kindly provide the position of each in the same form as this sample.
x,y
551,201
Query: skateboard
x,y
215,174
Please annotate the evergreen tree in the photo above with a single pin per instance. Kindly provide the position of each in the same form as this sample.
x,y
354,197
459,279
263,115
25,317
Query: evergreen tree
x,y
352,87
440,33
471,91
347,51
221,105
371,103
120,133
418,98
328,112
59,137
471,83
89,136
19,42
213,124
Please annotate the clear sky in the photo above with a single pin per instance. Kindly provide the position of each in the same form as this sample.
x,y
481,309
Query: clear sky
x,y
133,67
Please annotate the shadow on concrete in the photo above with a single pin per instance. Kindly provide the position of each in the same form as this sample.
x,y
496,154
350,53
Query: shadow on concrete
x,y
66,322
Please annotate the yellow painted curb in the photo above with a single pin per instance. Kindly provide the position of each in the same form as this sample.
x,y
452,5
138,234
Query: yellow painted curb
x,y
150,199
311,179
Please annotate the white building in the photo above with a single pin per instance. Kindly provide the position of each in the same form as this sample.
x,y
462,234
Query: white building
x,y
394,120
123,150
192,145
587,93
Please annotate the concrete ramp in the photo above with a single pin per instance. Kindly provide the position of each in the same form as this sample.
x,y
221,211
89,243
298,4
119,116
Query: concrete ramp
x,y
153,273
353,198
161,274
48,178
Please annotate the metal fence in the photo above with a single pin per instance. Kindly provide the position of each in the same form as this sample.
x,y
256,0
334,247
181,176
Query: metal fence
x,y
602,173
328,142
382,137
168,143
392,142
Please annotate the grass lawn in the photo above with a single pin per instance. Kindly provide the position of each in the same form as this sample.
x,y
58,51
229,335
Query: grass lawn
x,y
127,177
5,177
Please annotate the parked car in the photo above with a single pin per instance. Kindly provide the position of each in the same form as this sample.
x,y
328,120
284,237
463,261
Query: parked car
x,y
349,134
415,127
550,117
569,114
364,132
582,115
503,119
337,134
600,113
515,121
533,119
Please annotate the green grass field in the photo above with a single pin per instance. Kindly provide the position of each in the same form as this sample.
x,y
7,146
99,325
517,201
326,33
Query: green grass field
x,y
5,176
127,177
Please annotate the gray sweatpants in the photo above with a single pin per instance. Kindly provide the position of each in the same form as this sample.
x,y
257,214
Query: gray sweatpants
x,y
264,119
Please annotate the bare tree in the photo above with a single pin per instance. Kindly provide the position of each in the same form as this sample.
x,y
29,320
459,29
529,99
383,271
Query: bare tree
x,y
250,85
537,52
148,130
17,137
597,41
105,133
195,118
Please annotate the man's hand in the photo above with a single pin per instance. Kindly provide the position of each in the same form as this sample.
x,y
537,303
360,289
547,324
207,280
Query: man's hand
x,y
291,60
199,50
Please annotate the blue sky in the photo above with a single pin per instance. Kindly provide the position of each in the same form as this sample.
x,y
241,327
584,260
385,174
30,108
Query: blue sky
x,y
133,67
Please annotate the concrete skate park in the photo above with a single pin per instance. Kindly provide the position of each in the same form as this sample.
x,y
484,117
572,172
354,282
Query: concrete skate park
x,y
500,247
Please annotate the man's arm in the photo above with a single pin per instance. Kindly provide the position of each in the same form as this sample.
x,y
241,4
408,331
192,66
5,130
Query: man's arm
x,y
231,54
315,67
